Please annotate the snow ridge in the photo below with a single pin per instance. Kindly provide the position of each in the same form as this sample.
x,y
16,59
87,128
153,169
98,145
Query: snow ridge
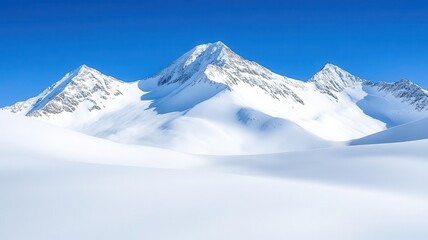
x,y
406,90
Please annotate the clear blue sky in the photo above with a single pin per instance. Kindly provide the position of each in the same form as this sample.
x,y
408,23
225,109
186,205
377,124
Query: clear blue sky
x,y
40,41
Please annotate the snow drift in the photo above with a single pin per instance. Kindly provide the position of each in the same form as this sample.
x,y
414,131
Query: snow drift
x,y
59,184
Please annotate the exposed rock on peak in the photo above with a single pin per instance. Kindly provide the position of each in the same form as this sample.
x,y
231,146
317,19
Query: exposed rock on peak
x,y
216,64
333,78
405,90
82,85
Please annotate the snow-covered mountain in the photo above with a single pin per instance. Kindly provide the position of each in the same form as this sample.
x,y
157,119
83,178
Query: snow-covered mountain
x,y
332,79
211,100
79,92
405,90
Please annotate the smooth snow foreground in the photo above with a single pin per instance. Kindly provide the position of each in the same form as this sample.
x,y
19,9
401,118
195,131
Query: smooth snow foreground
x,y
59,184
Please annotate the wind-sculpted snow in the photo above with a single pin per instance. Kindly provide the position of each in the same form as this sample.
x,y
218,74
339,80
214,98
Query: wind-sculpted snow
x,y
59,184
412,131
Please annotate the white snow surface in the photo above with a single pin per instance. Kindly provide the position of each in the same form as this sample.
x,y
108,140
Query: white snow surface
x,y
213,101
412,131
168,157
59,184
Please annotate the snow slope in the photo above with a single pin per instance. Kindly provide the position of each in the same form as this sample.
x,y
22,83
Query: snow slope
x,y
213,101
407,132
59,184
394,103
31,137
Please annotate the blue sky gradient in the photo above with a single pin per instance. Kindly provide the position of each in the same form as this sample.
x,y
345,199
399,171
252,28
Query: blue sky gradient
x,y
40,41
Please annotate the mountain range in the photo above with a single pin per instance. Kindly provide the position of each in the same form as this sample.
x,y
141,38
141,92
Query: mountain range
x,y
213,101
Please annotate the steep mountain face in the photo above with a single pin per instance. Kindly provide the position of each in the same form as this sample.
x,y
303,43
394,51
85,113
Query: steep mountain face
x,y
391,103
332,79
405,90
212,101
394,103
84,88
219,64
210,69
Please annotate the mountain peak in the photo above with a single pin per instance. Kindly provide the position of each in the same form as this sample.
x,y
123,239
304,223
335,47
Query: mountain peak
x,y
77,73
82,85
330,66
215,67
82,69
211,53
332,69
405,81
334,78
195,62
218,45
